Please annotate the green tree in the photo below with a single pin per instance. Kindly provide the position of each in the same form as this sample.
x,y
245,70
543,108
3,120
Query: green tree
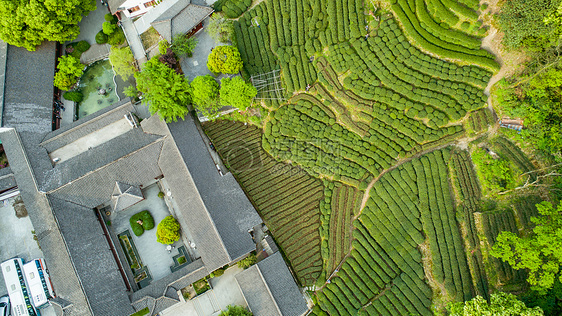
x,y
123,62
540,252
536,98
225,59
204,93
247,262
495,174
168,230
108,28
166,92
237,93
183,45
132,92
220,29
235,310
69,71
501,304
27,23
526,24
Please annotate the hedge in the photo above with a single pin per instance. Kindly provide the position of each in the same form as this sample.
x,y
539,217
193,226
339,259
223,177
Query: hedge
x,y
147,222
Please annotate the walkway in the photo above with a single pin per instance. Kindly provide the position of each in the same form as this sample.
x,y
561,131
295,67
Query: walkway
x,y
134,40
197,65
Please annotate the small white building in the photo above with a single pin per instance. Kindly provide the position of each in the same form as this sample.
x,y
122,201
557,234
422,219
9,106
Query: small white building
x,y
132,8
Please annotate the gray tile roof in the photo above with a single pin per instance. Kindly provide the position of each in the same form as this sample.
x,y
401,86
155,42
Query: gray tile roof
x,y
115,5
230,209
65,279
256,293
28,93
125,195
180,19
190,210
86,125
136,166
93,260
7,179
282,285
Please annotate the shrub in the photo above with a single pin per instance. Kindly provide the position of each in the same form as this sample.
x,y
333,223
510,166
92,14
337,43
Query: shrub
x,y
168,230
147,222
116,38
101,37
161,194
111,18
75,96
247,262
108,28
163,47
82,46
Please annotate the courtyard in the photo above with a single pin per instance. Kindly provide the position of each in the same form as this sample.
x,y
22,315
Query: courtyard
x,y
155,259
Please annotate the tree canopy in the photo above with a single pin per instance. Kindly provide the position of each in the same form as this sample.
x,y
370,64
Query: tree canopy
x,y
165,91
540,252
183,45
501,304
27,24
69,71
122,61
225,59
220,29
168,230
204,93
236,92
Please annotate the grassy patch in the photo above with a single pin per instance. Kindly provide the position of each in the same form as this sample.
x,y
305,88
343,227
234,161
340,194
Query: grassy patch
x,y
150,38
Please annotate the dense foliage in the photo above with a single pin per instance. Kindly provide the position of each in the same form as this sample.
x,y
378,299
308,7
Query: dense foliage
x,y
183,45
204,95
530,24
540,252
237,93
537,100
496,174
165,91
26,23
122,61
168,230
247,262
501,304
220,29
69,71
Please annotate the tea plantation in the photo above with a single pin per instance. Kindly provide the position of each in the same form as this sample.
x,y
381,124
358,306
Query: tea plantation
x,y
362,172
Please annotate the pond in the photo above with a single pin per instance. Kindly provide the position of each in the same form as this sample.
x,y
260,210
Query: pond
x,y
97,77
